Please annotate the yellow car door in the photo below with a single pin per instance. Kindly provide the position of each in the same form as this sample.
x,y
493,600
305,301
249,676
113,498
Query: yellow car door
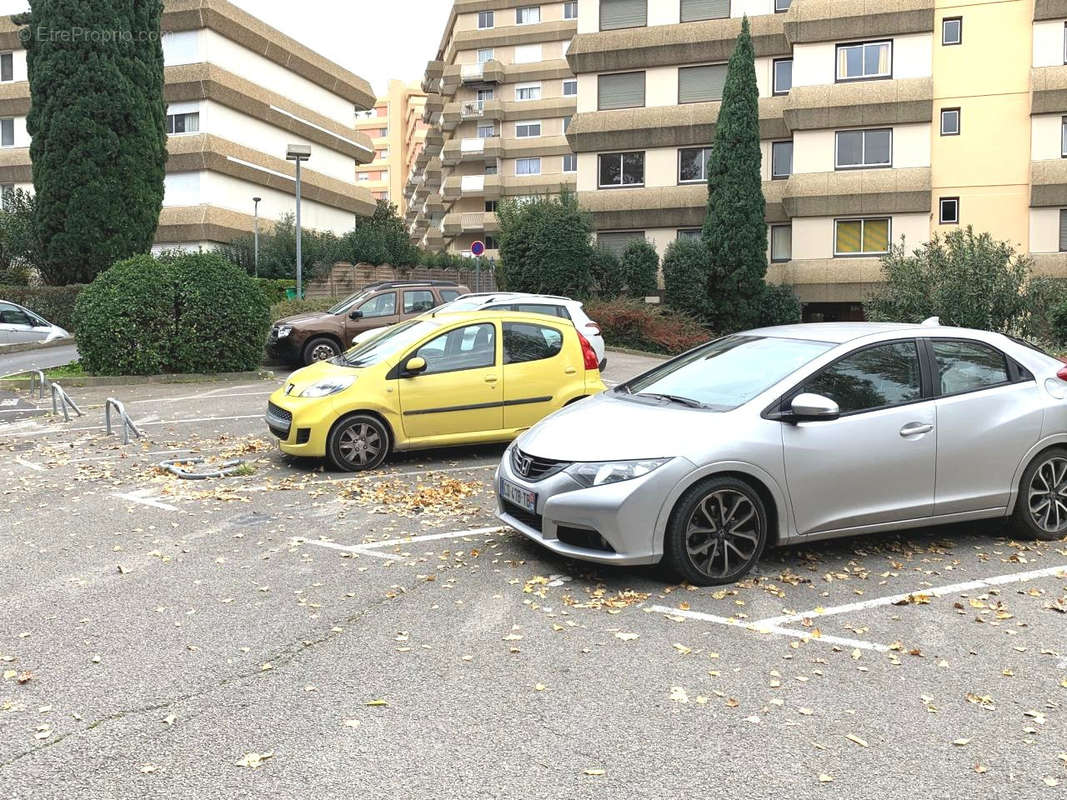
x,y
460,391
543,369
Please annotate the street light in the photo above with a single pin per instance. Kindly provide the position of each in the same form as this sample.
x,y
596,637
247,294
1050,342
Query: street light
x,y
299,153
256,201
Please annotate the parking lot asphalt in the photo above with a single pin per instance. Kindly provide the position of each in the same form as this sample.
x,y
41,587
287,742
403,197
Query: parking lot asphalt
x,y
295,632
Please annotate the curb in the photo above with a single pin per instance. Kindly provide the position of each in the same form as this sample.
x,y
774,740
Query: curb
x,y
145,380
6,349
627,351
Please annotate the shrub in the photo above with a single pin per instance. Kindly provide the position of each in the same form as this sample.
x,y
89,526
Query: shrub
x,y
54,303
780,306
640,268
545,246
181,312
641,326
685,276
290,308
606,270
274,288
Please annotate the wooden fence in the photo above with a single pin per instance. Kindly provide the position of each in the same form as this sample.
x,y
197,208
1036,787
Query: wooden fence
x,y
345,279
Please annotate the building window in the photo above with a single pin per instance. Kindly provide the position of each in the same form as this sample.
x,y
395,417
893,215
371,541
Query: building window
x,y
701,84
485,54
7,67
1063,230
949,211
490,243
781,243
952,30
616,14
616,241
362,177
527,54
1063,137
570,88
486,19
490,206
485,94
858,149
528,91
621,90
570,10
527,166
864,61
781,160
183,123
486,131
7,196
527,130
950,122
490,168
695,10
567,122
856,237
693,164
622,169
783,76
527,15
570,162
7,132
781,6
689,233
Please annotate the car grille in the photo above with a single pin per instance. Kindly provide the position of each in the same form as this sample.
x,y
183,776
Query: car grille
x,y
279,421
534,521
533,468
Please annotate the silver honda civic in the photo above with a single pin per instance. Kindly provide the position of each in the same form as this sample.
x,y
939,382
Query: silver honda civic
x,y
796,433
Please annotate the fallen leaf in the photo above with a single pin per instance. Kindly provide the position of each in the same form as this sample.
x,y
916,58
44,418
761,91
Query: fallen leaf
x,y
962,742
679,695
627,637
824,778
594,772
1050,781
351,723
856,739
146,768
981,769
254,760
376,703
681,648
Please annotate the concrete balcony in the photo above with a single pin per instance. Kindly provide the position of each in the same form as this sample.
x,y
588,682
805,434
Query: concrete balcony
x,y
433,175
458,223
511,35
833,20
845,105
1048,183
663,206
431,80
457,186
435,240
535,146
435,104
865,191
471,149
1050,9
553,70
471,110
1049,86
829,280
434,202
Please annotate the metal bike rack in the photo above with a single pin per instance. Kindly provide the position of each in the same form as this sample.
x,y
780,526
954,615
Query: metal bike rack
x,y
61,402
37,380
224,470
127,424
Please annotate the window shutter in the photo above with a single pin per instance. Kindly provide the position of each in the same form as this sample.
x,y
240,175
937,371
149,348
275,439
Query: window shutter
x,y
616,14
1063,230
701,84
693,10
621,91
616,241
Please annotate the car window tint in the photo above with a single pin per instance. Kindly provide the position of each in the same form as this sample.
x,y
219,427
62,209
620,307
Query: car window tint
x,y
967,366
415,302
524,342
884,375
535,308
448,295
12,315
562,312
384,305
470,347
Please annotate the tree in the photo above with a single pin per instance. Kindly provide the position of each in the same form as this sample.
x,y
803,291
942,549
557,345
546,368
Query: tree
x,y
277,250
97,118
606,272
735,232
19,249
685,276
545,246
640,268
968,280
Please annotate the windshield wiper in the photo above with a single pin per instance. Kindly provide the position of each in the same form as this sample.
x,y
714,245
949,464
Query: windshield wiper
x,y
674,398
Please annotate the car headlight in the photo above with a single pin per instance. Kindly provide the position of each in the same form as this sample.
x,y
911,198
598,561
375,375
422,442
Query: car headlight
x,y
283,330
599,473
326,387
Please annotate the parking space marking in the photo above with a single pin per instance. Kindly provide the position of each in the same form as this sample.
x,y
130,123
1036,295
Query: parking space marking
x,y
936,591
372,476
774,630
371,548
145,497
45,431
29,465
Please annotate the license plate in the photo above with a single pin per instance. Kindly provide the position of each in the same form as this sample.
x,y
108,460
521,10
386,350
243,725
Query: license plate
x,y
523,498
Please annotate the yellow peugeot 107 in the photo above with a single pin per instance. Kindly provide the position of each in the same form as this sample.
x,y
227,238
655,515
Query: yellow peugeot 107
x,y
454,378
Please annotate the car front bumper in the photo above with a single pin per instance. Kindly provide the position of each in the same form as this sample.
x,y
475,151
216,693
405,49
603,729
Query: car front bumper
x,y
286,349
301,424
611,524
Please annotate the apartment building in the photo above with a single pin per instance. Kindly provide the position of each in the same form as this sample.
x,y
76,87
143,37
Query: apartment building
x,y
500,97
397,131
878,121
238,92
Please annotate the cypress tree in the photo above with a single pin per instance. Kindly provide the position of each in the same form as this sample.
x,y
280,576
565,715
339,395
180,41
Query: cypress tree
x,y
735,230
98,122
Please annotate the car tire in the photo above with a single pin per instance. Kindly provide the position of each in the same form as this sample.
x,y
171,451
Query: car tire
x,y
357,443
319,349
603,365
696,530
1041,507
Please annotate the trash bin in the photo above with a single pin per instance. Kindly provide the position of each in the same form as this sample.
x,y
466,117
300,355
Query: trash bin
x,y
290,293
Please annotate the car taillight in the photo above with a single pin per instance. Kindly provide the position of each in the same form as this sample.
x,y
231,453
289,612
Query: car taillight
x,y
588,353
1062,374
593,328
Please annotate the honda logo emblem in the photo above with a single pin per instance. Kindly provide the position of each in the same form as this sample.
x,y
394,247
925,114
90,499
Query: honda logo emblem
x,y
523,464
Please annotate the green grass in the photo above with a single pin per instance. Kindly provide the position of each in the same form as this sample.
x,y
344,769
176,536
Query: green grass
x,y
71,370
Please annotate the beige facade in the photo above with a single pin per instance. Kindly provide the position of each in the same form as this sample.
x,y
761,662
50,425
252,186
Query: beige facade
x,y
395,126
500,96
238,92
880,121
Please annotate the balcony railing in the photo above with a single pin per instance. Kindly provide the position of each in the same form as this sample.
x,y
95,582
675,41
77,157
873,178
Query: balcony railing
x,y
473,109
474,184
472,145
472,73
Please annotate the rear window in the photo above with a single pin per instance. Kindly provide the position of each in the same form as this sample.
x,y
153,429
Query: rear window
x,y
448,295
524,342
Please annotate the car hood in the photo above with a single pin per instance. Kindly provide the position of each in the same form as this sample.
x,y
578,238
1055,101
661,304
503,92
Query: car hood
x,y
55,332
302,319
608,428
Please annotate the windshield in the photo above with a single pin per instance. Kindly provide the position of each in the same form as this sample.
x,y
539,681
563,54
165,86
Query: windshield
x,y
463,304
397,338
351,300
726,373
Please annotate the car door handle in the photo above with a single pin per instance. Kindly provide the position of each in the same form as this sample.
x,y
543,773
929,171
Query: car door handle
x,y
915,428
490,378
570,371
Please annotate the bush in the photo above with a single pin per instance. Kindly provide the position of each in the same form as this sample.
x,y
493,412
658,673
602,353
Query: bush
x,y
54,303
274,288
641,326
606,272
290,308
686,264
780,306
545,246
180,312
640,268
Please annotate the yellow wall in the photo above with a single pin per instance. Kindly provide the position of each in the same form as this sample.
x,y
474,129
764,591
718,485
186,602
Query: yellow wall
x,y
988,165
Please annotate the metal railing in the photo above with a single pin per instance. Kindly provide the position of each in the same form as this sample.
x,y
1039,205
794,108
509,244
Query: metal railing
x,y
127,424
472,109
61,402
37,380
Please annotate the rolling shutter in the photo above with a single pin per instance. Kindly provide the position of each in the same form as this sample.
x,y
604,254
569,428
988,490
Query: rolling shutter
x,y
625,90
615,14
616,241
701,84
1063,230
693,10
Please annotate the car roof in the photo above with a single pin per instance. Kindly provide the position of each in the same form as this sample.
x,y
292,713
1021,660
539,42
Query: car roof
x,y
492,296
842,332
448,317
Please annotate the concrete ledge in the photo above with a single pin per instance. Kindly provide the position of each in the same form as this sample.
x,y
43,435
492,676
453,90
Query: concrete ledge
x,y
89,381
11,349
1050,9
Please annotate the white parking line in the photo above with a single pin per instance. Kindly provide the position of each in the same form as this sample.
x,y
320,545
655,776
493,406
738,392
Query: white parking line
x,y
371,548
46,431
144,497
29,464
937,591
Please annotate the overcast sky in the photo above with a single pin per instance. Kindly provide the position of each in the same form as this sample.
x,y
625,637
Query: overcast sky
x,y
376,40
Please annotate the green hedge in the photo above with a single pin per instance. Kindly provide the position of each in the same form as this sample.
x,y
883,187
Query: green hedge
x,y
289,308
54,303
274,288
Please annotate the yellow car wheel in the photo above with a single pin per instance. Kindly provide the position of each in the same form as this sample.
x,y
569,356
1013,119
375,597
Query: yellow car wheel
x,y
358,442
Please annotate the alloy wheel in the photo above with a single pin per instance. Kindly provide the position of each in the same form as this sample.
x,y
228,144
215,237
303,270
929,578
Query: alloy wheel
x,y
1047,496
321,352
360,444
722,534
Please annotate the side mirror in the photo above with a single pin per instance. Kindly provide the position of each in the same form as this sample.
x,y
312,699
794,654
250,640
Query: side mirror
x,y
357,314
415,366
808,406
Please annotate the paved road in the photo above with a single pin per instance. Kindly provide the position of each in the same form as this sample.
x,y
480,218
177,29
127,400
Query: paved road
x,y
37,359
375,636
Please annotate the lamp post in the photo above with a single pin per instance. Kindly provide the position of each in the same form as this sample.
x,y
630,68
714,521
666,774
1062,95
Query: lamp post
x,y
299,153
256,201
